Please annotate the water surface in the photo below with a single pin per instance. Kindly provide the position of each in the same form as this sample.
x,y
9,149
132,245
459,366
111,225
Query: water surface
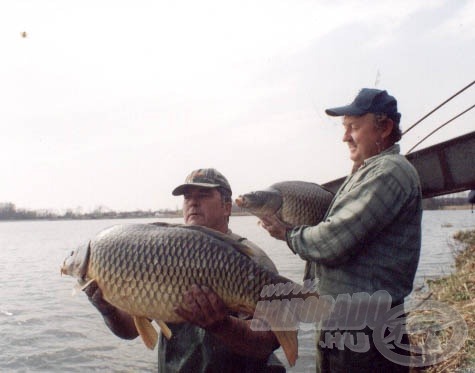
x,y
44,328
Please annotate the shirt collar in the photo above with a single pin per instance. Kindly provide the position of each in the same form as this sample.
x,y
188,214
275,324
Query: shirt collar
x,y
393,149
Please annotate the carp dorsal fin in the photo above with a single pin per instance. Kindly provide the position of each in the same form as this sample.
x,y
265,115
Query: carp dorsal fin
x,y
147,331
243,249
240,247
164,328
163,224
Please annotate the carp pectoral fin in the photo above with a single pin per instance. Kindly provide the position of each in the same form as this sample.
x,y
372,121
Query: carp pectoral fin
x,y
241,308
87,284
80,286
147,331
164,328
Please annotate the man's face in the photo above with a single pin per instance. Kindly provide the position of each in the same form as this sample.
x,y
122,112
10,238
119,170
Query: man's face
x,y
362,137
205,207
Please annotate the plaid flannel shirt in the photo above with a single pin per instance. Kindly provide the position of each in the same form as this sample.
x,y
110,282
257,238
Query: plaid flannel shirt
x,y
370,238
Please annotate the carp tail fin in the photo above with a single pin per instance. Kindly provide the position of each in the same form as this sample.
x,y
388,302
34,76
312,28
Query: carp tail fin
x,y
147,331
281,317
289,342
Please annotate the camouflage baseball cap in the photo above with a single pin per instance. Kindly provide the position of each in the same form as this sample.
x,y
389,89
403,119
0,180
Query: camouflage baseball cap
x,y
203,177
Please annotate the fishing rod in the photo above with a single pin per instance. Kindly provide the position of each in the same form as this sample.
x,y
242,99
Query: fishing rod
x,y
438,107
442,125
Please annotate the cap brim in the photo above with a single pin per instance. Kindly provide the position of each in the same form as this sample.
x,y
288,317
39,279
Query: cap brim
x,y
179,190
344,110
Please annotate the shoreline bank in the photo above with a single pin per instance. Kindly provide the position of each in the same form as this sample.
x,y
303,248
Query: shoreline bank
x,y
457,291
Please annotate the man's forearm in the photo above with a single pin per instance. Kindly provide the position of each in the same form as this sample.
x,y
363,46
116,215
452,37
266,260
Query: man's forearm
x,y
120,323
237,335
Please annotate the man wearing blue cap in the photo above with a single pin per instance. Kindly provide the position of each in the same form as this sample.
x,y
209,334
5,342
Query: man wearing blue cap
x,y
369,241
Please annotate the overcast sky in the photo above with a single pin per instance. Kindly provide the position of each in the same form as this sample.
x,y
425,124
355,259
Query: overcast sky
x,y
113,103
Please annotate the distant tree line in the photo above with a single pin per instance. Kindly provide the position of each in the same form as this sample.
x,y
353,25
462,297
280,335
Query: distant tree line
x,y
438,203
8,211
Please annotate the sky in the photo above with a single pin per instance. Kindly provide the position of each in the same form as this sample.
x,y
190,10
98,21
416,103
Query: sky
x,y
110,104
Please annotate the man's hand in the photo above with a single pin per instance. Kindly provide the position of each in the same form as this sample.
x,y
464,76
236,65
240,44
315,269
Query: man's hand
x,y
203,307
274,226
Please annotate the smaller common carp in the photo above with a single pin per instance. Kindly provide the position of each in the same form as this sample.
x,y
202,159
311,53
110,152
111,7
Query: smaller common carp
x,y
293,202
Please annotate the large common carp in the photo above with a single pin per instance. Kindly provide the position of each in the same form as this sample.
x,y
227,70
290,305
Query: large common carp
x,y
293,202
143,269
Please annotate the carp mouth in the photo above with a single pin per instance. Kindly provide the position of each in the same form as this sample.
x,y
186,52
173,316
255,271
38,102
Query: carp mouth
x,y
250,201
240,201
261,202
64,269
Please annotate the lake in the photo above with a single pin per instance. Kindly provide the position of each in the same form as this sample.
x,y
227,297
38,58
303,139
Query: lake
x,y
43,328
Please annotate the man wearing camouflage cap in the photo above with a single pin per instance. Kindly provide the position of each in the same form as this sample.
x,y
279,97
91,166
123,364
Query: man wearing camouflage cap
x,y
206,184
213,339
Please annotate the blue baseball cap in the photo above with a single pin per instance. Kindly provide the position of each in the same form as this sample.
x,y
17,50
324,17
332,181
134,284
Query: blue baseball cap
x,y
369,100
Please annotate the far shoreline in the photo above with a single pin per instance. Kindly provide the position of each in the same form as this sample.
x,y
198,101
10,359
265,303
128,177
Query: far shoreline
x,y
144,215
105,217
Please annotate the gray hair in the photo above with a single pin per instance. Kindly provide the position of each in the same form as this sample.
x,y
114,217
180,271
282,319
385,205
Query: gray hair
x,y
380,122
225,194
